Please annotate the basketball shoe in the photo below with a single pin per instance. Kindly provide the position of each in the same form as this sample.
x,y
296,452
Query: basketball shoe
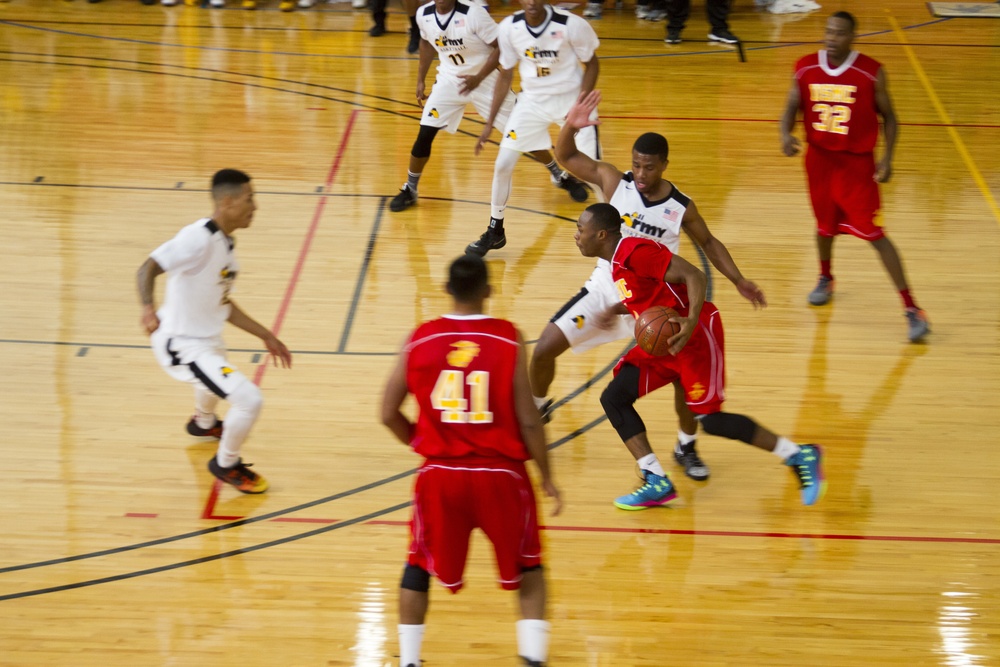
x,y
489,240
723,36
239,475
306,4
822,293
576,189
414,44
917,324
808,468
249,4
593,10
199,432
404,200
287,5
545,412
532,663
688,459
673,36
655,492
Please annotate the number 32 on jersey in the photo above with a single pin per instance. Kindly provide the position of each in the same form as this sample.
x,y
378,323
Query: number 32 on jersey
x,y
448,396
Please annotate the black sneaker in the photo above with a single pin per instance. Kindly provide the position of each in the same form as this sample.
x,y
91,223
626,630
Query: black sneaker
x,y
723,36
673,36
532,663
490,240
575,187
377,30
693,466
199,432
404,200
239,475
414,44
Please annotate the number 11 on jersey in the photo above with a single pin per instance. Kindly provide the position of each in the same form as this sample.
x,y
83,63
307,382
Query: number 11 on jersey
x,y
448,396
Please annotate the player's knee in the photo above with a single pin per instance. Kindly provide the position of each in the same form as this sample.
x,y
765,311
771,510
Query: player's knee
x,y
550,344
425,138
415,579
246,396
506,161
729,425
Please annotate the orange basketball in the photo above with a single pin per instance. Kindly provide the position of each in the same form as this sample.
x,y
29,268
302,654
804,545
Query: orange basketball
x,y
653,329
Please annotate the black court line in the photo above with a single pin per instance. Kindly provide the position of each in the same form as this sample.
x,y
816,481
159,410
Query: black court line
x,y
362,276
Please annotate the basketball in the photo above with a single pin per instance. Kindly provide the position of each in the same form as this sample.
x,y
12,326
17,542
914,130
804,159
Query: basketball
x,y
653,329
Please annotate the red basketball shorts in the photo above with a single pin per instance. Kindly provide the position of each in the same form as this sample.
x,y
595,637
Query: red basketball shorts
x,y
700,366
451,500
844,193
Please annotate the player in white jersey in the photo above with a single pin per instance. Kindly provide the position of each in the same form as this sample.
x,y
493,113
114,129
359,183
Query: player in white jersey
x,y
186,332
650,207
548,45
464,37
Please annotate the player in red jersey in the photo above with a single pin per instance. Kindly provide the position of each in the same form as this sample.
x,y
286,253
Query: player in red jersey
x,y
841,94
648,274
476,427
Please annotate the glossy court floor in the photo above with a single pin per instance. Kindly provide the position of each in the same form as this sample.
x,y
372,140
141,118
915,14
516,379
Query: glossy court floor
x,y
118,548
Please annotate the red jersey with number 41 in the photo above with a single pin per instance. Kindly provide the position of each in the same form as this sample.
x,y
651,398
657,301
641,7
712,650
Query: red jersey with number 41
x,y
460,369
838,105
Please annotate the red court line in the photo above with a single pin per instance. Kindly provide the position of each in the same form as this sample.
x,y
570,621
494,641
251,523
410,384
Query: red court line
x,y
776,120
213,496
739,533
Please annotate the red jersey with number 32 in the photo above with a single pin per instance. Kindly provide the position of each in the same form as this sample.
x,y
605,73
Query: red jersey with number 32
x,y
637,268
460,369
838,105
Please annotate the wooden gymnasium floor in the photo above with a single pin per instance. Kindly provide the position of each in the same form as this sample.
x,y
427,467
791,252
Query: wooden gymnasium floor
x,y
119,550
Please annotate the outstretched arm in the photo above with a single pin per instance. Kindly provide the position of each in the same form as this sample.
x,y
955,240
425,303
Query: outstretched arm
x,y
790,144
276,348
392,400
499,94
883,171
146,282
718,254
532,430
682,271
580,164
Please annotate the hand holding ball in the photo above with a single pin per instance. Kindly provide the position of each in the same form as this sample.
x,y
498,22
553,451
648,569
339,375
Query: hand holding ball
x,y
653,330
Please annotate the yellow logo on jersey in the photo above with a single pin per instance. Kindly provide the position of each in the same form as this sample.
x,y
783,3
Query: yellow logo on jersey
x,y
623,291
834,93
463,354
531,53
434,113
512,135
225,272
579,320
629,219
696,392
226,371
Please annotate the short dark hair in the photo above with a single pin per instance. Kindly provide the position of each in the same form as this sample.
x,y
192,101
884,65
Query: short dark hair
x,y
468,278
652,143
225,181
605,216
847,16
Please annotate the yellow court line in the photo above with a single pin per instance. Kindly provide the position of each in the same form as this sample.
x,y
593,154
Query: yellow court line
x,y
952,132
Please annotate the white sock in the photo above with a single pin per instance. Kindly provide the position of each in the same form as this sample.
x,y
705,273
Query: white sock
x,y
785,448
684,438
540,402
410,639
652,464
533,639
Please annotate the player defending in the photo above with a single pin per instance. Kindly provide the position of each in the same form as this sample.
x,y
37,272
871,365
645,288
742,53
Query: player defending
x,y
648,274
186,332
476,426
548,45
464,36
651,207
841,94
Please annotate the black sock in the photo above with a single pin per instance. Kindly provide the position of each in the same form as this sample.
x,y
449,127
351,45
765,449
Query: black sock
x,y
496,224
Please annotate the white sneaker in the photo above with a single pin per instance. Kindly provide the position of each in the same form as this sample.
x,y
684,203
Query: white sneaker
x,y
641,11
168,3
359,4
306,4
218,3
